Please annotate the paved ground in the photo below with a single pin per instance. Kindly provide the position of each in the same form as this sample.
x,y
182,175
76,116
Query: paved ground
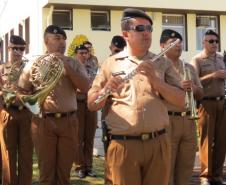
x,y
98,151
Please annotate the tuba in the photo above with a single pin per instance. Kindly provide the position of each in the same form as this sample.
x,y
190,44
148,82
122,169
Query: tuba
x,y
45,72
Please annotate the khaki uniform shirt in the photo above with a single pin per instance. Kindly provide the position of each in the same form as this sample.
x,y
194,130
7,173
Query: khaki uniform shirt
x,y
206,65
9,78
63,97
137,108
194,77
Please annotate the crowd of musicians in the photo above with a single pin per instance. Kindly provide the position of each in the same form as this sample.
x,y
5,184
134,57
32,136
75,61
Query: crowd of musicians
x,y
157,109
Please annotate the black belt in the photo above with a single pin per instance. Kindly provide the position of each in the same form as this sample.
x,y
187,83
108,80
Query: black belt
x,y
15,107
59,114
214,98
142,137
182,114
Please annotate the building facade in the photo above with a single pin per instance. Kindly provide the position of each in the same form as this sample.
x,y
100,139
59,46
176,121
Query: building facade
x,y
100,21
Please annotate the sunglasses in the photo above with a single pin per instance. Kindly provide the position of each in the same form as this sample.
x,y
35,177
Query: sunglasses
x,y
212,41
141,28
18,48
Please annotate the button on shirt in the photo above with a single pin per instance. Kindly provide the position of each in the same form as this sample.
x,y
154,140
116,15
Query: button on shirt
x,y
206,65
137,108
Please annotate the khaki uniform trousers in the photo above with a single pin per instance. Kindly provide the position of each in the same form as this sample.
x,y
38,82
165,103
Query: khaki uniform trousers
x,y
85,138
137,162
17,137
54,140
182,132
210,131
220,147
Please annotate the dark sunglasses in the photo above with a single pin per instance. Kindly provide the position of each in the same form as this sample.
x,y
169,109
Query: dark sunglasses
x,y
141,28
18,48
212,41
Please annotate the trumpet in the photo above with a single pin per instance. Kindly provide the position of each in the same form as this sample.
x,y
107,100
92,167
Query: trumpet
x,y
190,103
134,72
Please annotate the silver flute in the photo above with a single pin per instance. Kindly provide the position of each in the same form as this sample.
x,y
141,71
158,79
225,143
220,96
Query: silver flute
x,y
134,72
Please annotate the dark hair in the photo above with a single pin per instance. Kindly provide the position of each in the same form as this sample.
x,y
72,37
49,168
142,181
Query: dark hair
x,y
80,47
87,42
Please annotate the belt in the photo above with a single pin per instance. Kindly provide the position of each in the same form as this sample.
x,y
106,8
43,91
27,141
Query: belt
x,y
182,114
214,98
59,114
15,107
143,137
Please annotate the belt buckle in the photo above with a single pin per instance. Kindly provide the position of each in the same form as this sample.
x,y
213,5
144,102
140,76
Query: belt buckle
x,y
183,114
218,98
57,115
145,137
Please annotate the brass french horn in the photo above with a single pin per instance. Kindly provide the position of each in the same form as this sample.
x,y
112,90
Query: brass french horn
x,y
45,72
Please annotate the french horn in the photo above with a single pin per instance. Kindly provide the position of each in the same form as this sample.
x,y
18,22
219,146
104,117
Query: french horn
x,y
45,72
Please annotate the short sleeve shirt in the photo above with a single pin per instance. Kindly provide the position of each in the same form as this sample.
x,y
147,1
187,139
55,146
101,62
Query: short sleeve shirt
x,y
205,65
137,108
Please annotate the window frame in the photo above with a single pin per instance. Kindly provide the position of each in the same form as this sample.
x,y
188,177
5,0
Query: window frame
x,y
173,27
70,11
106,27
216,29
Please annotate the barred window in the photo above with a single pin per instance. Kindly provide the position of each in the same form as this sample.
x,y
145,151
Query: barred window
x,y
176,22
204,23
63,18
100,20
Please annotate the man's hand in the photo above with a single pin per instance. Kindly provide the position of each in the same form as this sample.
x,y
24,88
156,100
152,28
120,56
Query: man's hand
x,y
219,74
114,84
147,68
187,85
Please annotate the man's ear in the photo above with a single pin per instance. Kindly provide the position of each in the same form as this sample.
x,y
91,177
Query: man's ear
x,y
125,34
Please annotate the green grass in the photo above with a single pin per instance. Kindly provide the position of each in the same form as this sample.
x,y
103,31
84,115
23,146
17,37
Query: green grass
x,y
98,167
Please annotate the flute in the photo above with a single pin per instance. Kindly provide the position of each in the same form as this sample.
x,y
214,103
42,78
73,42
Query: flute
x,y
134,72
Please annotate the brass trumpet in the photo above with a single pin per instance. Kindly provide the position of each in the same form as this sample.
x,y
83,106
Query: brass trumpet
x,y
190,102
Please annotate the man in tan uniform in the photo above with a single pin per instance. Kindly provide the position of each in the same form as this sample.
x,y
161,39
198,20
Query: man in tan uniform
x,y
15,121
211,70
182,127
139,151
54,133
87,120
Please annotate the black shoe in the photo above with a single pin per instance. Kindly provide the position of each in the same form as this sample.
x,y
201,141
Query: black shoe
x,y
81,174
91,173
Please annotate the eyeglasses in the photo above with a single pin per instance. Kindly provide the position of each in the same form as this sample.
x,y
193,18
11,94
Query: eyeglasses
x,y
18,48
141,28
212,41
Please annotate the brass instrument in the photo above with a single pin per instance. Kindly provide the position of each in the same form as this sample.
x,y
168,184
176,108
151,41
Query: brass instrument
x,y
9,89
134,72
45,72
190,102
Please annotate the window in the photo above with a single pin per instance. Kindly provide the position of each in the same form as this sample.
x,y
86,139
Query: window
x,y
204,23
100,20
20,27
63,18
6,46
27,33
2,50
177,23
